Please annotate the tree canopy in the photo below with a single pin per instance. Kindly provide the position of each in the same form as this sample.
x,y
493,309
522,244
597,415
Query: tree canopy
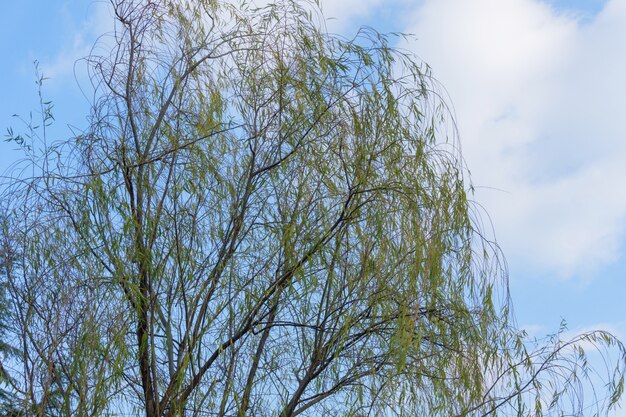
x,y
263,218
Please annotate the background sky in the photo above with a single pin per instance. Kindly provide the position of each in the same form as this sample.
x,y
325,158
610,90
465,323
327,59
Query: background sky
x,y
538,89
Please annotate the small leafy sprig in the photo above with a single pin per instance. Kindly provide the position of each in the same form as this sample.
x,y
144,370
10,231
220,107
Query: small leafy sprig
x,y
34,131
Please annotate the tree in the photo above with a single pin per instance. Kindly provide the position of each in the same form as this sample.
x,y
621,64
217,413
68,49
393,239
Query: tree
x,y
262,219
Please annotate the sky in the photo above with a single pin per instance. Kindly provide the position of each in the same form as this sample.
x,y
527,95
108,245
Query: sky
x,y
538,90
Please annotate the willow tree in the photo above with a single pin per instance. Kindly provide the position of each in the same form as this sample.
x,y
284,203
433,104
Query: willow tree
x,y
261,219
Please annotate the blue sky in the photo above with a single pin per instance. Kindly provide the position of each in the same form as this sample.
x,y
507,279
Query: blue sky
x,y
539,92
56,33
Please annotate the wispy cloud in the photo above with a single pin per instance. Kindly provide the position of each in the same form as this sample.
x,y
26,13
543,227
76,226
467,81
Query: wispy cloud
x,y
97,21
539,98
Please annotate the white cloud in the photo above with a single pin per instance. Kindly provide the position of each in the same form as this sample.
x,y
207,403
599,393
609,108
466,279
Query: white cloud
x,y
98,21
338,15
539,99
347,9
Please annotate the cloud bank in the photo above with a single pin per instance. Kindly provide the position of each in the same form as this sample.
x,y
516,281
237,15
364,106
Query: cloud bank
x,y
539,97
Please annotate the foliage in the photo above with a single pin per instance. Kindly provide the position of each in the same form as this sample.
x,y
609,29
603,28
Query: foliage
x,y
262,219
